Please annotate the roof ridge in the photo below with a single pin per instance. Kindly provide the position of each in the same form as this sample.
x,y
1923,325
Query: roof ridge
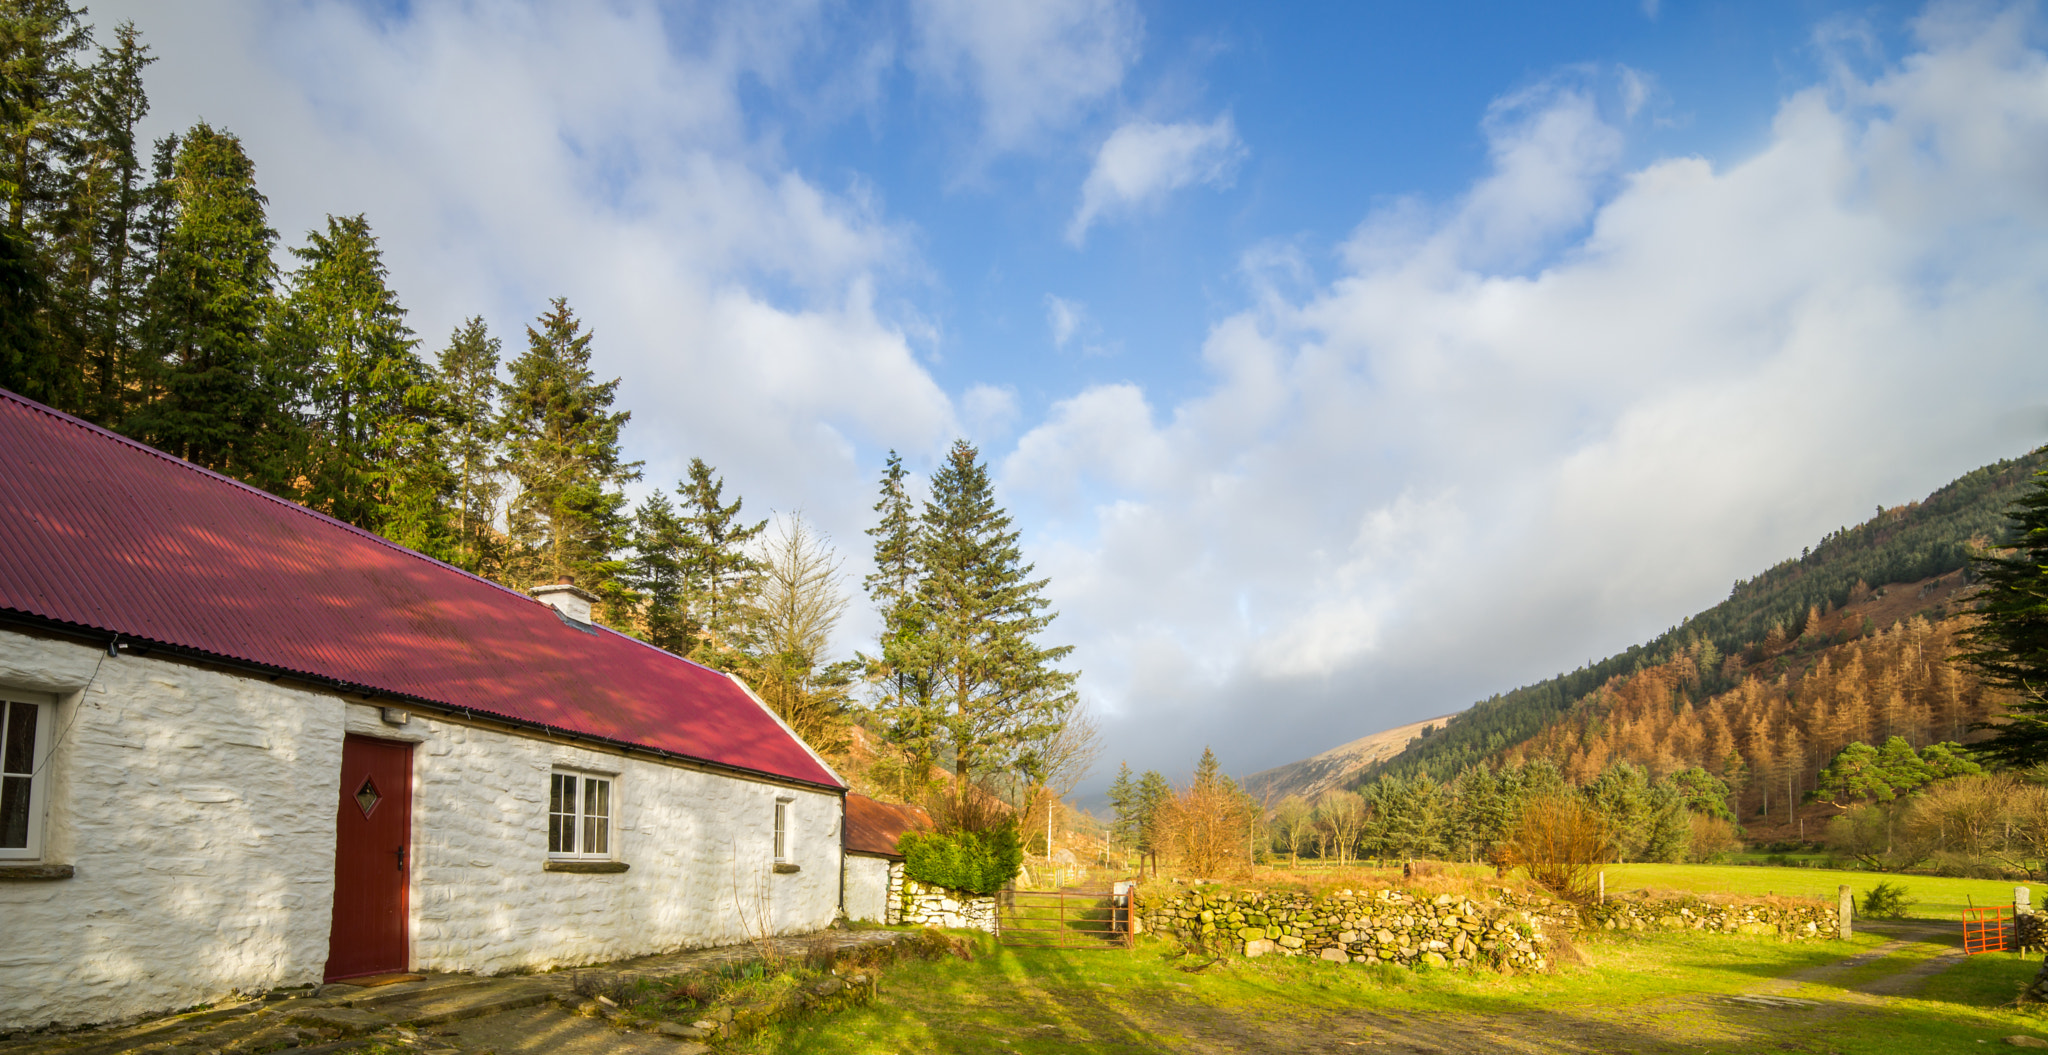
x,y
109,434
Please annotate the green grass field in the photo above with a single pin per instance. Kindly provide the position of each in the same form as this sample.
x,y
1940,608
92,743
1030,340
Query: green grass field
x,y
1660,991
1936,897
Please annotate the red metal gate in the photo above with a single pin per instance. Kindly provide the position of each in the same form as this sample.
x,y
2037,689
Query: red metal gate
x,y
373,836
1067,919
1985,929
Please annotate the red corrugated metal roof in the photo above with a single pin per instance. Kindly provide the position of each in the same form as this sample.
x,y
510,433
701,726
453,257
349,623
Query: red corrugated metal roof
x,y
101,532
873,827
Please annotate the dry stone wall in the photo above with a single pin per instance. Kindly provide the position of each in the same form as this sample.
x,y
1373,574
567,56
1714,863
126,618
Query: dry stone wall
x,y
1381,926
1795,922
925,905
1503,929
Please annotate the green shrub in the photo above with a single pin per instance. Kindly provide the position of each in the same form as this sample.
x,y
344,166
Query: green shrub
x,y
976,862
1886,900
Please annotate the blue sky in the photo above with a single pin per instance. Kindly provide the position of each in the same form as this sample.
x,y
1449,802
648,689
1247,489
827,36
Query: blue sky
x,y
1342,365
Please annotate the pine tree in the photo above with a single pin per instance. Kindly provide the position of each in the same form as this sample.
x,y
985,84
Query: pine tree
x,y
1123,804
469,384
222,398
1002,692
39,82
561,445
660,541
372,407
905,668
719,574
111,193
2008,647
1153,795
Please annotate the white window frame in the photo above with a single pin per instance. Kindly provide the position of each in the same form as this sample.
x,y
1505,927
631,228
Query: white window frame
x,y
584,822
782,835
39,768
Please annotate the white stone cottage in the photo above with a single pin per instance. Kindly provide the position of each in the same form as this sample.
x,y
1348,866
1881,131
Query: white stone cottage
x,y
244,746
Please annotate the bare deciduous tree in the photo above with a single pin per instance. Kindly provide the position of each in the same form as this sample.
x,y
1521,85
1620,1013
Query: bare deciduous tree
x,y
790,619
1343,813
1560,840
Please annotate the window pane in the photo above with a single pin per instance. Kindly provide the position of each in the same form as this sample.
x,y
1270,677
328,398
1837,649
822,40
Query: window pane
x,y
562,814
597,802
19,755
14,813
781,814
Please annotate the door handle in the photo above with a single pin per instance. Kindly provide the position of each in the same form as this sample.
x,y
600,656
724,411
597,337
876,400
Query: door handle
x,y
401,858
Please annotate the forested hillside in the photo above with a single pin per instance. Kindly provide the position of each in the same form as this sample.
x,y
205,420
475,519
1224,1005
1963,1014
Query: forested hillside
x,y
1906,544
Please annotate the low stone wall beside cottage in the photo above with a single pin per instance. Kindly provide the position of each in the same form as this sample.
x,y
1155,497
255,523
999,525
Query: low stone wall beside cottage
x,y
925,905
1382,926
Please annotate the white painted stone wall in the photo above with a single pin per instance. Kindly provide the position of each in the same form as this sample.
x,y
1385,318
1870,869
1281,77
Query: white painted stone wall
x,y
198,811
699,845
867,888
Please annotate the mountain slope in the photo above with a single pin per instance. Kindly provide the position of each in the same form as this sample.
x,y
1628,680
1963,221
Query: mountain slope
x,y
1906,544
1310,777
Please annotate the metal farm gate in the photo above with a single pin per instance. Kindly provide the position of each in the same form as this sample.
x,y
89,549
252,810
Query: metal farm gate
x,y
1984,929
1066,919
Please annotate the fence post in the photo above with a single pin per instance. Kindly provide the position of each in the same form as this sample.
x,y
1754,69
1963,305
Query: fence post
x,y
1603,886
1845,905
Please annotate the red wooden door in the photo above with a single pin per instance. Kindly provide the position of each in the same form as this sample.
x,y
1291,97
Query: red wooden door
x,y
373,840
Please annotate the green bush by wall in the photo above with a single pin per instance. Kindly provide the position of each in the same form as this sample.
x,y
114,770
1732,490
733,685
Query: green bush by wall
x,y
977,862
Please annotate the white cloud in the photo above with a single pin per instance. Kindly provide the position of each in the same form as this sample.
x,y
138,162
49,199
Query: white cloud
x,y
1553,416
1036,67
1143,161
1062,316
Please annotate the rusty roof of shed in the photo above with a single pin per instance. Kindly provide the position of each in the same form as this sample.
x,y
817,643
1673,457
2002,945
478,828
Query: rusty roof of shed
x,y
100,533
872,827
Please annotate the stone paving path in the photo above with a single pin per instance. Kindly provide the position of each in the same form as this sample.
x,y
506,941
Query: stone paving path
x,y
440,1013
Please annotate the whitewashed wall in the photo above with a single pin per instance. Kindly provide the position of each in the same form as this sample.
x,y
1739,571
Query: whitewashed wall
x,y
198,809
867,888
700,849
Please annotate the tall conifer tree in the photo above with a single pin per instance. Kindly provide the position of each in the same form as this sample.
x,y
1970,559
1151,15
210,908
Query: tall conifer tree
x,y
561,442
719,574
372,406
221,397
1003,694
111,191
2009,645
661,544
39,82
469,384
904,670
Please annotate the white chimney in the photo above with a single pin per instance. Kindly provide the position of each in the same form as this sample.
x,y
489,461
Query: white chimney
x,y
567,598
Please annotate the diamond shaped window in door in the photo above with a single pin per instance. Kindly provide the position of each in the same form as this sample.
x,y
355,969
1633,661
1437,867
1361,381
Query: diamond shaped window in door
x,y
367,796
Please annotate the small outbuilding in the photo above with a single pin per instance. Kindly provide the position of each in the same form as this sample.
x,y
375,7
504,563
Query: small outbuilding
x,y
244,746
873,867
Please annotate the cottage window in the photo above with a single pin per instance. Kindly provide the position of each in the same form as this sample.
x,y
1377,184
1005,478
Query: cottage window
x,y
782,830
579,815
24,748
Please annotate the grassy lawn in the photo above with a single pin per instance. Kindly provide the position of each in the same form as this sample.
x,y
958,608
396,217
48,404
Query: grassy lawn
x,y
1937,898
1655,992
